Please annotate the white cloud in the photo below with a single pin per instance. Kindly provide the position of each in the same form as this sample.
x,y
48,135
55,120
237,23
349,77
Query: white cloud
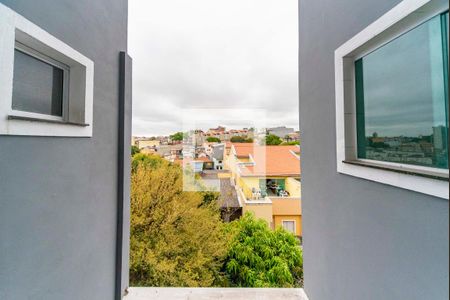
x,y
212,54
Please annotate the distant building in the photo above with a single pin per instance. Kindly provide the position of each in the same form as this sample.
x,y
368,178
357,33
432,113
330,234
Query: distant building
x,y
217,155
147,143
197,165
188,150
199,137
224,135
207,163
218,129
292,137
280,131
207,147
170,152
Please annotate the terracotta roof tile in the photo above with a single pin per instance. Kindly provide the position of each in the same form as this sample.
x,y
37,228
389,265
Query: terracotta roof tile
x,y
270,160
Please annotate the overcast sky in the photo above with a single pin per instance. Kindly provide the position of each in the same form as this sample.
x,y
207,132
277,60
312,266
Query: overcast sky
x,y
211,54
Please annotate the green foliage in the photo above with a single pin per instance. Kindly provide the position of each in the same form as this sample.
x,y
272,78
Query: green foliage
x,y
212,139
261,257
148,160
177,239
177,136
134,150
272,139
241,139
290,143
210,197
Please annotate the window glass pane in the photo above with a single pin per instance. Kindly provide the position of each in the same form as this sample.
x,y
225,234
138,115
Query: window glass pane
x,y
289,226
38,86
401,98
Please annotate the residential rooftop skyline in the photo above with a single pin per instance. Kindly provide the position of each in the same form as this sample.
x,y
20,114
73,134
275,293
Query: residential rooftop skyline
x,y
205,129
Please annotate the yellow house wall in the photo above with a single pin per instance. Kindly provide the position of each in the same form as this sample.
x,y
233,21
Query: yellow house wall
x,y
226,159
247,183
293,187
287,206
278,221
230,164
261,211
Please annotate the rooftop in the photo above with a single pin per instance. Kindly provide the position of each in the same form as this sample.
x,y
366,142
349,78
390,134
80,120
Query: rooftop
x,y
228,196
269,160
243,149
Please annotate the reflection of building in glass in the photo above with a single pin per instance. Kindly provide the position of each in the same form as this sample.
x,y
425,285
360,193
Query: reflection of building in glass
x,y
439,133
440,146
426,150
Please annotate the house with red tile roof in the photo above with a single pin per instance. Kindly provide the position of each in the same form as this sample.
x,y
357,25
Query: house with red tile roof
x,y
268,182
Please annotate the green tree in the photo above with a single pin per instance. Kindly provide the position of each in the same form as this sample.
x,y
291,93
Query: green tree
x,y
272,139
134,150
177,238
177,136
212,139
145,160
261,257
241,139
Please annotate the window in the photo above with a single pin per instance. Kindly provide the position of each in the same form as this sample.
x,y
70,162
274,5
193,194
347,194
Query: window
x,y
391,84
401,98
38,83
289,226
46,87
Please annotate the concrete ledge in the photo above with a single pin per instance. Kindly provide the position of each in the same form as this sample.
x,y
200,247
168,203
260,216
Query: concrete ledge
x,y
150,293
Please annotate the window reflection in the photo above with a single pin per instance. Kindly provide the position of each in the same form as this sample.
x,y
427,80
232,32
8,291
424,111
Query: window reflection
x,y
402,98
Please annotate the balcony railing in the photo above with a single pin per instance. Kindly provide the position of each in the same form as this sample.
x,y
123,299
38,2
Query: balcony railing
x,y
246,200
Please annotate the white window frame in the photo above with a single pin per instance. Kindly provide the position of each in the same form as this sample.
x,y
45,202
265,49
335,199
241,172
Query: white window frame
x,y
16,32
400,19
295,225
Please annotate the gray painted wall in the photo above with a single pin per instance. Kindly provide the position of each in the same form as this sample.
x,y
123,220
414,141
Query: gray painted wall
x,y
58,196
362,240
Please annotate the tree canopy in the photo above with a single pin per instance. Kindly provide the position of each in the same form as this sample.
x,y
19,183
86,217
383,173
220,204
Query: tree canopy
x,y
177,136
261,257
212,139
241,139
135,150
272,139
177,239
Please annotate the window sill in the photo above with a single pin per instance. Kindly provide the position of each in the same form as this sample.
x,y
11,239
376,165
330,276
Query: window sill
x,y
143,293
13,117
402,170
